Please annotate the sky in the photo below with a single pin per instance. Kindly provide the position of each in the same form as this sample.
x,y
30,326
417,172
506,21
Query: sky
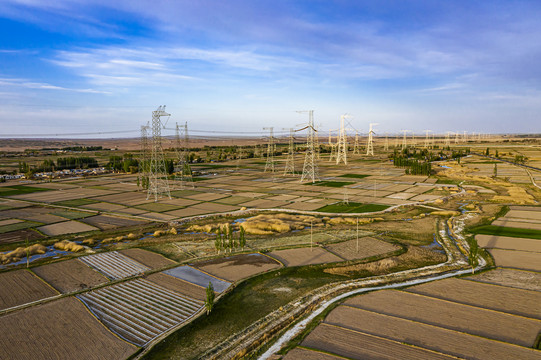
x,y
82,67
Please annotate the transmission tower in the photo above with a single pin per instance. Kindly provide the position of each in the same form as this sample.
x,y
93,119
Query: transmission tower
x,y
356,145
370,144
290,161
465,138
316,143
310,169
183,171
158,184
144,158
386,146
456,137
269,165
448,138
405,139
341,151
427,139
333,148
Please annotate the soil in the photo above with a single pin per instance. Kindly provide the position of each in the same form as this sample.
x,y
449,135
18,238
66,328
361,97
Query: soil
x,y
367,247
527,280
71,275
304,256
238,267
147,258
524,260
178,285
21,287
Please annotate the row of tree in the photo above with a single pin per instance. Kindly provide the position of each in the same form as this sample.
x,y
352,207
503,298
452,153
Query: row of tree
x,y
413,166
225,239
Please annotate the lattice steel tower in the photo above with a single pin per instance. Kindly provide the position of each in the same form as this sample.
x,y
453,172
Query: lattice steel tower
x,y
183,171
370,144
158,184
332,146
290,161
341,154
310,170
356,145
269,165
144,157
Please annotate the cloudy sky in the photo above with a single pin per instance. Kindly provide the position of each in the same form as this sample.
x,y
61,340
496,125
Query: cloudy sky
x,y
77,66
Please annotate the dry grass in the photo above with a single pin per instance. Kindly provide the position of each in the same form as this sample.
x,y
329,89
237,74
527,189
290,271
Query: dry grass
x,y
352,220
21,252
278,223
66,245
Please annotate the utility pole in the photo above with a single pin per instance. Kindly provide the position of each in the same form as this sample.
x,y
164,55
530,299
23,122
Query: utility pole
x,y
310,170
158,182
386,146
269,165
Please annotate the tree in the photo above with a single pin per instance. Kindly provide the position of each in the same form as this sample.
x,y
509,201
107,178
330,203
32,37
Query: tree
x,y
495,170
209,302
487,152
473,260
242,239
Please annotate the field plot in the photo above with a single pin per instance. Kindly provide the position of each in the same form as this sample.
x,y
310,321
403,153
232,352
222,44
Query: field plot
x,y
309,354
147,258
527,214
527,280
524,260
304,256
357,345
368,246
66,227
140,310
20,235
22,287
464,318
61,329
238,267
517,224
178,285
510,243
197,277
114,265
427,336
488,296
106,222
70,275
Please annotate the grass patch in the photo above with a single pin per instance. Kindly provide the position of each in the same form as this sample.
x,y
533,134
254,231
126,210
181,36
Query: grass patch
x,y
182,193
195,178
335,184
355,176
20,189
233,200
352,207
76,202
506,231
18,226
448,181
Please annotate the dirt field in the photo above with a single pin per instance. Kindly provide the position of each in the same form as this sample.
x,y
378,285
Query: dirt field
x,y
368,246
61,329
105,222
427,336
304,256
147,258
66,227
503,242
524,260
527,280
68,276
357,345
178,285
517,224
449,315
524,214
21,287
488,296
306,354
20,235
238,267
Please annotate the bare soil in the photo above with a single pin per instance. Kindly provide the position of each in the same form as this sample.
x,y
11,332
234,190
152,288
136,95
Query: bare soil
x,y
527,280
368,247
70,275
21,287
105,222
66,227
304,256
61,329
238,267
524,260
178,285
307,354
147,258
20,235
511,243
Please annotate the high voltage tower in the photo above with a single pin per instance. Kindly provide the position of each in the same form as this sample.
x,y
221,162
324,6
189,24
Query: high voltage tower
x,y
456,137
448,138
183,171
269,165
158,184
405,139
356,145
144,158
332,146
386,146
370,144
290,161
310,169
427,139
465,138
316,143
342,146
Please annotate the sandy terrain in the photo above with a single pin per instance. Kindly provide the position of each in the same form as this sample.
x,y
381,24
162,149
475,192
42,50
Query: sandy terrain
x,y
357,345
62,329
521,279
238,267
21,287
367,247
304,256
427,336
70,275
476,321
147,258
524,260
488,296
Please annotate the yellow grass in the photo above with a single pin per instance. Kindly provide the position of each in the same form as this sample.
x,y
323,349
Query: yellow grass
x,y
20,252
89,242
352,220
445,213
278,223
66,245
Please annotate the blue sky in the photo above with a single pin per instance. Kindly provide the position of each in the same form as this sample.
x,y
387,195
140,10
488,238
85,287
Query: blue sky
x,y
87,66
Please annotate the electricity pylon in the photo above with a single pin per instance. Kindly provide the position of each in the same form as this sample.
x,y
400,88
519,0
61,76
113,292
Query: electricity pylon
x,y
316,143
183,171
370,144
290,161
405,139
333,148
158,184
465,138
269,165
448,138
356,145
341,151
427,139
144,158
456,137
310,169
386,145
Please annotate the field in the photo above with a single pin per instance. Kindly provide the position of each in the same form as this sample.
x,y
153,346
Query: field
x,y
503,242
114,265
21,287
61,329
525,260
66,227
352,208
367,247
178,285
238,267
527,280
194,276
147,258
304,256
70,275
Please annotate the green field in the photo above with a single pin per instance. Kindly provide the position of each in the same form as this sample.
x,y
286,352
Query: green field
x,y
355,176
18,226
352,207
333,183
19,189
76,202
506,231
